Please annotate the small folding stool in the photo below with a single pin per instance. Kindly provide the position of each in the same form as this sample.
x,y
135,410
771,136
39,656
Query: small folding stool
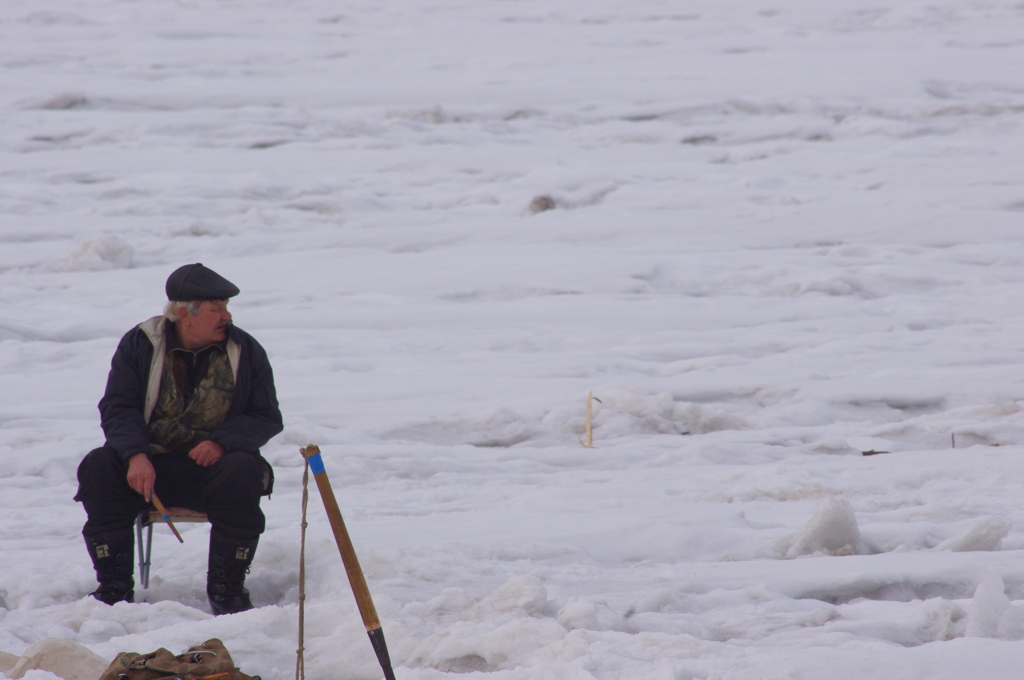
x,y
146,519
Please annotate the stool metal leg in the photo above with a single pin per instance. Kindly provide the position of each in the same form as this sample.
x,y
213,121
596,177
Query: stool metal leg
x,y
143,562
144,550
149,552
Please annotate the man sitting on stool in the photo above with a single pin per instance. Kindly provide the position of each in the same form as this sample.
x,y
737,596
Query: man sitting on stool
x,y
190,400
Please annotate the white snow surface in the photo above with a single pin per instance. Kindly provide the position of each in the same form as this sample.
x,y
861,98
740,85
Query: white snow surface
x,y
783,234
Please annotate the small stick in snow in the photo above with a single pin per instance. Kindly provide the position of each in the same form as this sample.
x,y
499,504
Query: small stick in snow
x,y
590,430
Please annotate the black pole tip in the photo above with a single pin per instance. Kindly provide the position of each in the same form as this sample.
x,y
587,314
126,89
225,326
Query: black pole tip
x,y
381,648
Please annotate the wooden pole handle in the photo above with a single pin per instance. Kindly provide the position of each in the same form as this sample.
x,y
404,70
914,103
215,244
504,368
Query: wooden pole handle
x,y
348,557
341,537
166,515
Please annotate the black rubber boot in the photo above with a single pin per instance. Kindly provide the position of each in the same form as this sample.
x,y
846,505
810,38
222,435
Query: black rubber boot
x,y
112,556
229,563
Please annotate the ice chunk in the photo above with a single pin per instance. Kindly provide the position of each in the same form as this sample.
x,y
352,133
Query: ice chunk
x,y
985,535
520,592
96,253
833,529
7,662
63,658
469,646
991,614
579,612
583,613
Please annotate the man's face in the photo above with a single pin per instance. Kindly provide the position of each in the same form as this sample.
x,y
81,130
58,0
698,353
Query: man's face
x,y
206,327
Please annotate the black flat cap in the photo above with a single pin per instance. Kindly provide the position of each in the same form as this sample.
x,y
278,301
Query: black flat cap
x,y
196,282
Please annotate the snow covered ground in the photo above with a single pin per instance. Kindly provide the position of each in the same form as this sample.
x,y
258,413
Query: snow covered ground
x,y
783,234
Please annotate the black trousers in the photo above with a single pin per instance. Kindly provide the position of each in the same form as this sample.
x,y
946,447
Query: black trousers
x,y
228,491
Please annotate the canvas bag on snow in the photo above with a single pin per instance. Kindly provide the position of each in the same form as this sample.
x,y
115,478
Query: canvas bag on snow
x,y
208,661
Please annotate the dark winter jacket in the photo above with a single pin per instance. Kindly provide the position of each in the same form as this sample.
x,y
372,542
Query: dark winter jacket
x,y
134,385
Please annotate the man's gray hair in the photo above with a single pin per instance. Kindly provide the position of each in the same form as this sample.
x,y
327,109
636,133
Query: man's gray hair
x,y
171,310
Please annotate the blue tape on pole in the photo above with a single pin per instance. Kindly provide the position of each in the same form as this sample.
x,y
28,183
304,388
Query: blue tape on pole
x,y
316,463
166,518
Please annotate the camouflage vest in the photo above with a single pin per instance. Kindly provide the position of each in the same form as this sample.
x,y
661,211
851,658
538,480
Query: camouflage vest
x,y
179,426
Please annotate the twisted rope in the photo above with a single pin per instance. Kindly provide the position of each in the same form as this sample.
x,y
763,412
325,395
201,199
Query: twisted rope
x,y
300,661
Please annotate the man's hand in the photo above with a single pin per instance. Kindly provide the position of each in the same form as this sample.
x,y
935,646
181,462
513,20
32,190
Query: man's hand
x,y
141,475
206,453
